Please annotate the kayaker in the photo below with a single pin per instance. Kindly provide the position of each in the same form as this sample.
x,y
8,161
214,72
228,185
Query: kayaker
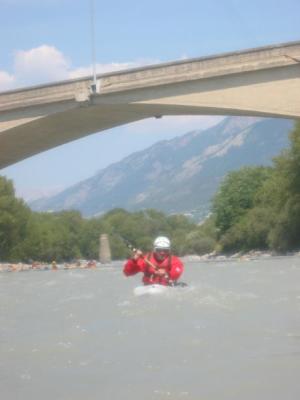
x,y
158,267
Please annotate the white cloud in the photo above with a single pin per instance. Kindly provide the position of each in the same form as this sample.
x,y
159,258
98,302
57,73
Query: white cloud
x,y
7,81
39,65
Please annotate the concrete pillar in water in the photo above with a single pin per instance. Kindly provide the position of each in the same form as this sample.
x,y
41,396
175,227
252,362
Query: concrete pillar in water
x,y
104,251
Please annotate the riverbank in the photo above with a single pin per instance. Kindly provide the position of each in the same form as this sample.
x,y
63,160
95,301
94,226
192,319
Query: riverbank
x,y
40,266
92,264
239,256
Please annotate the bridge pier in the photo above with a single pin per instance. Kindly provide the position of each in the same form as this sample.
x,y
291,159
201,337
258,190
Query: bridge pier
x,y
104,249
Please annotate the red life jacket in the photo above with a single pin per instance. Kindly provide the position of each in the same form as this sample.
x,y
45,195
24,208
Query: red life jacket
x,y
172,265
150,277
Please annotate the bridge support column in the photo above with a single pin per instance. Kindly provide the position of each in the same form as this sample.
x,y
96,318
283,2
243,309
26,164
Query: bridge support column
x,y
104,250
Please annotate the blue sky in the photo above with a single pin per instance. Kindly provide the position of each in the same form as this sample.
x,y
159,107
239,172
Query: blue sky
x,y
50,40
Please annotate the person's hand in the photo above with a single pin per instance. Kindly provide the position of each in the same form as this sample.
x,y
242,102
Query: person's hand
x,y
137,254
161,272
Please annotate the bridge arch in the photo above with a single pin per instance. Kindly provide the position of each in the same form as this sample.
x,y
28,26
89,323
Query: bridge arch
x,y
256,82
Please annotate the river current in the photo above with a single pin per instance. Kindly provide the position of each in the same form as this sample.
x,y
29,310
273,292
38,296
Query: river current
x,y
234,333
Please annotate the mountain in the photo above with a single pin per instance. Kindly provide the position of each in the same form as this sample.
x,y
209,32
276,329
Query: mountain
x,y
176,176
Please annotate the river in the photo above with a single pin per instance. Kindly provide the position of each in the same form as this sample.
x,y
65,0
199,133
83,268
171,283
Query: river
x,y
234,333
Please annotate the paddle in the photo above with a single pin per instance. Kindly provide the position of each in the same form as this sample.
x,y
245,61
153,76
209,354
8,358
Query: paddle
x,y
134,250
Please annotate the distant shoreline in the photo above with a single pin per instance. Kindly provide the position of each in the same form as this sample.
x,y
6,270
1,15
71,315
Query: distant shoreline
x,y
92,264
239,256
41,266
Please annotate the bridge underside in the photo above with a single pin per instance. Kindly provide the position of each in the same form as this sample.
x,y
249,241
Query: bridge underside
x,y
269,92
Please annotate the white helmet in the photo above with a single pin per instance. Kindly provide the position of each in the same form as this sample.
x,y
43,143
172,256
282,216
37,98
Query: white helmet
x,y
162,242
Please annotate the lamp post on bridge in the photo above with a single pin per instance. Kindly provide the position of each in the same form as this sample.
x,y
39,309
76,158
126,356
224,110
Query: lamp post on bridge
x,y
93,47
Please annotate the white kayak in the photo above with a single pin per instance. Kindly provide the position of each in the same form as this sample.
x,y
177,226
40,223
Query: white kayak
x,y
150,289
155,289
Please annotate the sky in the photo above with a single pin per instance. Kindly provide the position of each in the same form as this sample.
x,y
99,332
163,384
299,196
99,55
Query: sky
x,y
51,40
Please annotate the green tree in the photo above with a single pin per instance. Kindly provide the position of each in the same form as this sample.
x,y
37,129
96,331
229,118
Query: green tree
x,y
250,232
236,195
281,195
14,217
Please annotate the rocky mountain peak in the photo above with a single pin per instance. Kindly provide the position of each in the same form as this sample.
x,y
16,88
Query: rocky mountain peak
x,y
179,175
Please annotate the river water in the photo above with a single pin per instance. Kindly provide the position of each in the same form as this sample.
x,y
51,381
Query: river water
x,y
82,334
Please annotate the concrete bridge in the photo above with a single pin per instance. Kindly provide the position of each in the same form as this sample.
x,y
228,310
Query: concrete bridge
x,y
263,82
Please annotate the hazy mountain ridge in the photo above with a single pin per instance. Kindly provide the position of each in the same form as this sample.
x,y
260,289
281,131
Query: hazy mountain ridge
x,y
179,175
